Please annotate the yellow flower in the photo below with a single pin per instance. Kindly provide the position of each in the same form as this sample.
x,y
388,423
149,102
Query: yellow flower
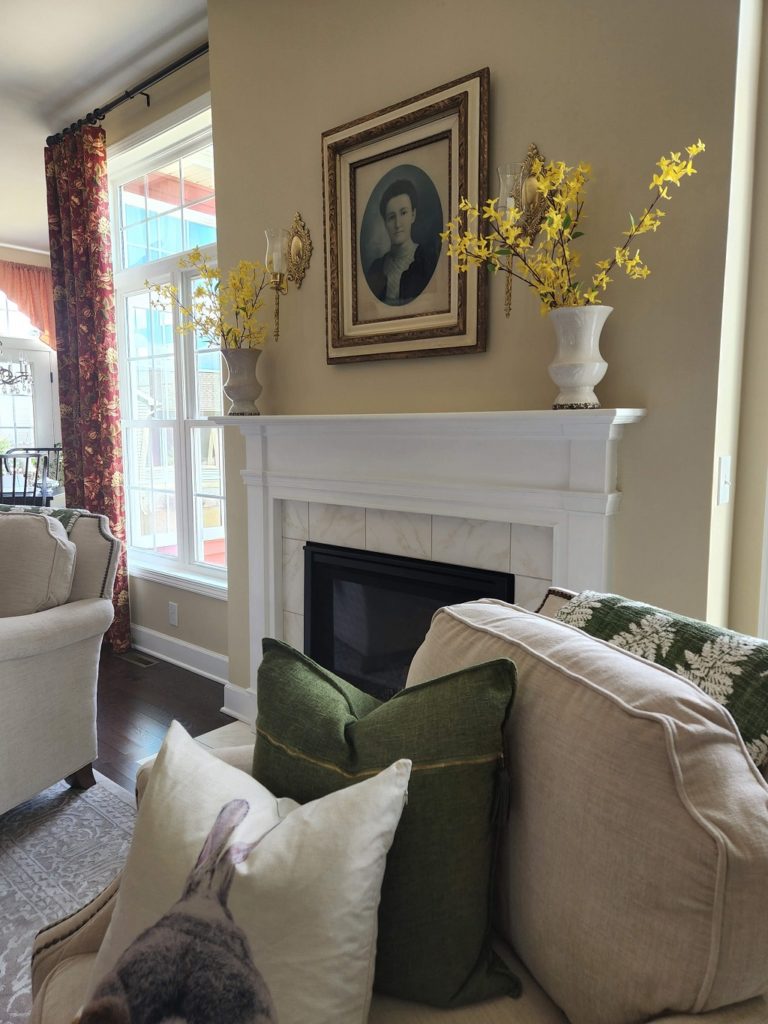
x,y
547,262
225,313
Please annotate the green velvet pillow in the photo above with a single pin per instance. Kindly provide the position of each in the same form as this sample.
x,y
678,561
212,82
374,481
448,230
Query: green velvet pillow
x,y
317,733
731,667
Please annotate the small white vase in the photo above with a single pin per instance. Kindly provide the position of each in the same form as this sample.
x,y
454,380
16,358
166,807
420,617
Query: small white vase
x,y
241,386
578,365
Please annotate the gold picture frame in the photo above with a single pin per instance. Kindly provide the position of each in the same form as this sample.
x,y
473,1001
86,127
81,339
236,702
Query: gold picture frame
x,y
391,181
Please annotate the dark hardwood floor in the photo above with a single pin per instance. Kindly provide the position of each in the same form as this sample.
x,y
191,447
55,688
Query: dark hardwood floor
x,y
136,705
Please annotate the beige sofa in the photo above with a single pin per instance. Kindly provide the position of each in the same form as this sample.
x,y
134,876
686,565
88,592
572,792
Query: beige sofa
x,y
55,606
632,880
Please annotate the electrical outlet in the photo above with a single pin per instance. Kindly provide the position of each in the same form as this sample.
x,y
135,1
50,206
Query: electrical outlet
x,y
173,613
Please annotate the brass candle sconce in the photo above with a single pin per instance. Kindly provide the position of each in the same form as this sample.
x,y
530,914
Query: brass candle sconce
x,y
517,185
287,259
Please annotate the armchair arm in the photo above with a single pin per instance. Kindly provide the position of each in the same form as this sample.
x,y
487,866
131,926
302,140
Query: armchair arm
x,y
81,932
22,636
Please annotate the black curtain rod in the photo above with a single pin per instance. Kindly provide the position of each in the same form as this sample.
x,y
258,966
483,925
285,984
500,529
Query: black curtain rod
x,y
101,112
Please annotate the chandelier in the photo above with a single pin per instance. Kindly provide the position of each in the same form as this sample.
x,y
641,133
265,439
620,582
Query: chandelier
x,y
14,374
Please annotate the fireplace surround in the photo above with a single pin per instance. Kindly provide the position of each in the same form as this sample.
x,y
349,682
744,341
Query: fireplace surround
x,y
532,493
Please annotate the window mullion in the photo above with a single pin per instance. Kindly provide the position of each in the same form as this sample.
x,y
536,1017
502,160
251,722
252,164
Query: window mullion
x,y
182,459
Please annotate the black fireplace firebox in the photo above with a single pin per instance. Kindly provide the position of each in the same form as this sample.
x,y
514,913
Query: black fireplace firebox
x,y
365,613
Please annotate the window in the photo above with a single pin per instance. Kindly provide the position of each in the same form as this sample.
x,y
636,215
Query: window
x,y
14,323
163,204
29,410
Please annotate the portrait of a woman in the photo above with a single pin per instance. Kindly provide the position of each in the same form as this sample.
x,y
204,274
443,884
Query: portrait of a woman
x,y
401,273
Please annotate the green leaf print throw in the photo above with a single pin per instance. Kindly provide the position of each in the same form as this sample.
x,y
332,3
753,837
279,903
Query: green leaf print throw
x,y
729,666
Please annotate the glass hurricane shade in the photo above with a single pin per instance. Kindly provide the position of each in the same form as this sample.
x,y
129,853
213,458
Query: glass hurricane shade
x,y
507,176
276,260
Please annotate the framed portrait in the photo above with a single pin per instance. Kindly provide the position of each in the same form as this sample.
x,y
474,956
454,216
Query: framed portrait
x,y
391,181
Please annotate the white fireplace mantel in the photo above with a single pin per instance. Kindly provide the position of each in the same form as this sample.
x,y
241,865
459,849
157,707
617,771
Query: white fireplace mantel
x,y
551,469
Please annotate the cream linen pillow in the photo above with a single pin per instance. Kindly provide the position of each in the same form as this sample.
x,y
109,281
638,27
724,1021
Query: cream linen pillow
x,y
307,897
37,563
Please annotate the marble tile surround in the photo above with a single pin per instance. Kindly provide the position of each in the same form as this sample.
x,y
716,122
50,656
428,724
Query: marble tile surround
x,y
523,550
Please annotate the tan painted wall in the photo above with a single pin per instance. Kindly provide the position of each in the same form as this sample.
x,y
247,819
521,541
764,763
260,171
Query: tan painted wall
x,y
752,470
166,97
202,620
615,84
33,259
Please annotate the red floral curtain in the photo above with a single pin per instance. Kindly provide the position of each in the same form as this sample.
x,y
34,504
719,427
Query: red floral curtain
x,y
31,288
84,303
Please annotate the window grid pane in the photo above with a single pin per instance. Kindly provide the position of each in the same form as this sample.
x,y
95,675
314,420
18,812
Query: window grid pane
x,y
169,210
208,495
151,489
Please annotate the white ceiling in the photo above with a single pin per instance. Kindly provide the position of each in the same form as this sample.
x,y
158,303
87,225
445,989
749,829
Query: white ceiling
x,y
59,60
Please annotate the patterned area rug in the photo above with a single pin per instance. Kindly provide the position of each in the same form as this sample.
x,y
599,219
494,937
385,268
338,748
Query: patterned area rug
x,y
57,851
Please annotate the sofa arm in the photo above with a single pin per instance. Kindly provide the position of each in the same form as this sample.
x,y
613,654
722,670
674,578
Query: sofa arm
x,y
23,636
81,932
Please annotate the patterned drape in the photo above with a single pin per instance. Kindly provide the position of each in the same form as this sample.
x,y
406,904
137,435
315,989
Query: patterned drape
x,y
31,288
84,302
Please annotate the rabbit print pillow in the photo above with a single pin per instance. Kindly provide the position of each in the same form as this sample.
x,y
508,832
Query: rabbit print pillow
x,y
287,894
195,963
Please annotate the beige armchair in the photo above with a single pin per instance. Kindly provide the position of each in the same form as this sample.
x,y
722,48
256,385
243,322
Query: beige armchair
x,y
49,658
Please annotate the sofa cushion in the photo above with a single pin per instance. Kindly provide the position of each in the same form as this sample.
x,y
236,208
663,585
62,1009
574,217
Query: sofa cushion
x,y
316,733
637,854
306,897
729,666
37,563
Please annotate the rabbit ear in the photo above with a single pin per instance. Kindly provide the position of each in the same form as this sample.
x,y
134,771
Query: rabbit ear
x,y
228,819
236,854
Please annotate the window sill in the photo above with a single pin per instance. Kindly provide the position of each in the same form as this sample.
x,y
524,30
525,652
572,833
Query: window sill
x,y
204,585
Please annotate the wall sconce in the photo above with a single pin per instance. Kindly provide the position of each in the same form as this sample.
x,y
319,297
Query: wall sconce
x,y
517,186
276,262
287,259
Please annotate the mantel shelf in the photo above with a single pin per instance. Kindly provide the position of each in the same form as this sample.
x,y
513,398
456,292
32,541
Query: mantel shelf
x,y
534,423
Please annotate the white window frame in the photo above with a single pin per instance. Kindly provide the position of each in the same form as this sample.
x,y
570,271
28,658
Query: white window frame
x,y
188,131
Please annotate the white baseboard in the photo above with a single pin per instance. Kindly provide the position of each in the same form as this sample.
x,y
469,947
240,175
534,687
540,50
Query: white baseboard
x,y
180,652
240,703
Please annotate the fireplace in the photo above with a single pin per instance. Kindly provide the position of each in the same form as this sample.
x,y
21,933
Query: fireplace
x,y
532,493
365,613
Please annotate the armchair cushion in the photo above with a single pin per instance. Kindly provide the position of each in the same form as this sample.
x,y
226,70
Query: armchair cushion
x,y
306,897
37,563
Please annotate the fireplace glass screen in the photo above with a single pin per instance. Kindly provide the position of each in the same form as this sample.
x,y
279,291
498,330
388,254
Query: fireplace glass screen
x,y
365,613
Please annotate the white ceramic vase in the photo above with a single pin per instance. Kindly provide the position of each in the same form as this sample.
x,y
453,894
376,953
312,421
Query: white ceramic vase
x,y
242,387
578,365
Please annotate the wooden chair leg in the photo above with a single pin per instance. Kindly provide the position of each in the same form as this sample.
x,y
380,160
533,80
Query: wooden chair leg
x,y
82,778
